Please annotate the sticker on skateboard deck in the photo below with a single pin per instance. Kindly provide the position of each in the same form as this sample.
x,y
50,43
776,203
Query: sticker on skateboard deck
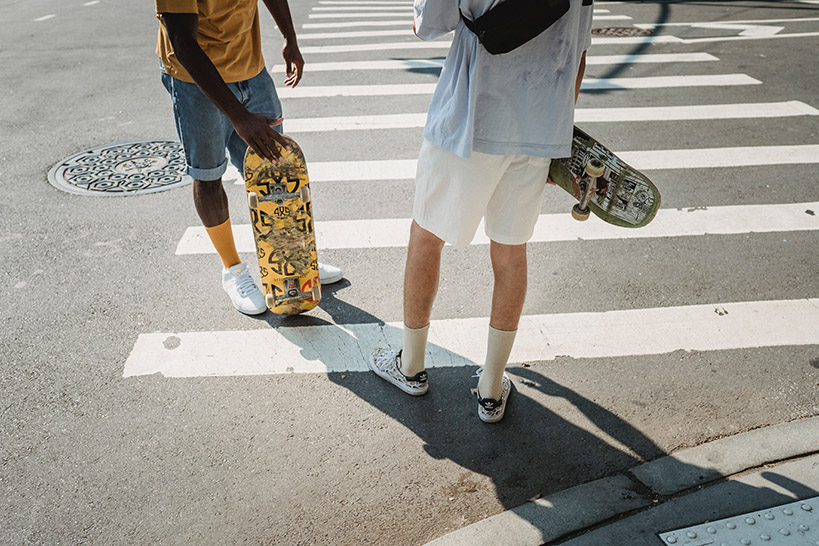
x,y
604,184
281,212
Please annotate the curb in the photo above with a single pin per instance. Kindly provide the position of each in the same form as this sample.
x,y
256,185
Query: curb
x,y
578,508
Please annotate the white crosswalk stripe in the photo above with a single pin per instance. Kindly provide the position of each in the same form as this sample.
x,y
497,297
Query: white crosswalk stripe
x,y
587,115
460,342
550,228
352,27
697,158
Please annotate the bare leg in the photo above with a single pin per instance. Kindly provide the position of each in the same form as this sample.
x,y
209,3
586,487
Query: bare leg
x,y
421,276
211,202
212,205
420,287
508,295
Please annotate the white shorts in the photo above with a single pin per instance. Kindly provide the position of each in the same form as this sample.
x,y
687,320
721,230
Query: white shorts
x,y
453,194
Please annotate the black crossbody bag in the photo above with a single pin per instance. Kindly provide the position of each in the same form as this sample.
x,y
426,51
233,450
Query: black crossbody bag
x,y
512,23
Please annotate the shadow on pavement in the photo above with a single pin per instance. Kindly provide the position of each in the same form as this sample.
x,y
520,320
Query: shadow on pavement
x,y
535,451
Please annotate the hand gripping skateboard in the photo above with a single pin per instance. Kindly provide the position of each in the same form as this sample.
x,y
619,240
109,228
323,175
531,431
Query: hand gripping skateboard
x,y
281,212
604,185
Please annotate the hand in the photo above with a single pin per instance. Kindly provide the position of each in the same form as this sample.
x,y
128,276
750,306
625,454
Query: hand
x,y
257,131
293,62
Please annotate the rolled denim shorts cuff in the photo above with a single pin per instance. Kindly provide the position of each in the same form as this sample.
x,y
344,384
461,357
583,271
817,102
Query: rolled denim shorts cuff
x,y
208,174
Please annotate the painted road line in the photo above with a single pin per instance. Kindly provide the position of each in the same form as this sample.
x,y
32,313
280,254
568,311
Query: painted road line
x,y
392,46
656,82
347,66
358,34
743,38
365,3
648,82
357,15
353,123
710,158
610,83
402,46
717,24
550,228
362,8
345,13
420,89
698,112
350,24
461,342
698,158
582,115
45,17
356,90
410,32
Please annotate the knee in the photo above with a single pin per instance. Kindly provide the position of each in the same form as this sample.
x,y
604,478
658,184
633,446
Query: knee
x,y
421,238
507,256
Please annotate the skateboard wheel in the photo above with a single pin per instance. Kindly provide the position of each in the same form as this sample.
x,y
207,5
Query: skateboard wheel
x,y
270,301
305,194
578,214
317,293
595,168
252,200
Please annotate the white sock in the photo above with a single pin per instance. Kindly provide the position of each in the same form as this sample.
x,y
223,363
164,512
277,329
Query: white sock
x,y
498,349
415,347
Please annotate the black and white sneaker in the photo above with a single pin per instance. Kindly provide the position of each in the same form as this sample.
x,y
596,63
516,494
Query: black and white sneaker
x,y
386,363
489,409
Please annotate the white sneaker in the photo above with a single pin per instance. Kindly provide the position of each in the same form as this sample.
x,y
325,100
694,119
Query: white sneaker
x,y
329,274
242,289
386,364
489,409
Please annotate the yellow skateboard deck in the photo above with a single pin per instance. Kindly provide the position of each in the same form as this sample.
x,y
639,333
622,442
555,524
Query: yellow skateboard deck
x,y
281,212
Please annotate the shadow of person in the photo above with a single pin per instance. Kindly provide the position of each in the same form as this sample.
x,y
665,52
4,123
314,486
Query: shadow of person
x,y
551,439
534,451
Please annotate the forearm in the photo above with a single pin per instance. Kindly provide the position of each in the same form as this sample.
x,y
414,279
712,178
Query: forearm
x,y
280,11
580,72
207,77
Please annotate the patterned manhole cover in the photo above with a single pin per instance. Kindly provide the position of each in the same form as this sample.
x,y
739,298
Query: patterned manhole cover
x,y
620,32
128,168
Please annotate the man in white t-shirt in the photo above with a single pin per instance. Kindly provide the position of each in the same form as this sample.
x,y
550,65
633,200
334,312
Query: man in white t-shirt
x,y
494,124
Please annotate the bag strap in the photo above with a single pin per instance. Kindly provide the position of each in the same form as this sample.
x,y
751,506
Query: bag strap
x,y
472,26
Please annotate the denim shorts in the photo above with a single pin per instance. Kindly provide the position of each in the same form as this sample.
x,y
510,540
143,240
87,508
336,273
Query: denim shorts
x,y
205,132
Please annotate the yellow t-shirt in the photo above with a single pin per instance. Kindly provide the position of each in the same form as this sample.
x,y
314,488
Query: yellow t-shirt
x,y
228,34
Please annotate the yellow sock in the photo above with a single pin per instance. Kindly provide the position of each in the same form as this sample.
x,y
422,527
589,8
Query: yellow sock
x,y
222,238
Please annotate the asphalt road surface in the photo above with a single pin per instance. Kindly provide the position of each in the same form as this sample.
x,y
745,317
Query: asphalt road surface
x,y
137,407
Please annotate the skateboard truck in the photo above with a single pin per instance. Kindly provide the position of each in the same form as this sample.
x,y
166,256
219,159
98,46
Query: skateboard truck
x,y
278,194
292,292
588,186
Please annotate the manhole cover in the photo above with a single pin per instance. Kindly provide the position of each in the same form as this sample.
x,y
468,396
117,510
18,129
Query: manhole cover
x,y
620,32
128,168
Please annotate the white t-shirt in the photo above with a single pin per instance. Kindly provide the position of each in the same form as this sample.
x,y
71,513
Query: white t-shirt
x,y
521,102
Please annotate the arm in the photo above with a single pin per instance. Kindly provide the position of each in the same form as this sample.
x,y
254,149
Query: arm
x,y
254,129
293,60
580,72
434,18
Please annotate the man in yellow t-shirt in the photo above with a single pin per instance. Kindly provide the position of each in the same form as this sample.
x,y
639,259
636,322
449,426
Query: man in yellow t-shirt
x,y
224,98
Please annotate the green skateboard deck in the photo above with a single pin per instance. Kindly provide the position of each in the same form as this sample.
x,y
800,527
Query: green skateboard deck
x,y
604,184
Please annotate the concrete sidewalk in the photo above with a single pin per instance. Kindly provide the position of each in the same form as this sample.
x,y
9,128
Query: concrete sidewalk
x,y
751,471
